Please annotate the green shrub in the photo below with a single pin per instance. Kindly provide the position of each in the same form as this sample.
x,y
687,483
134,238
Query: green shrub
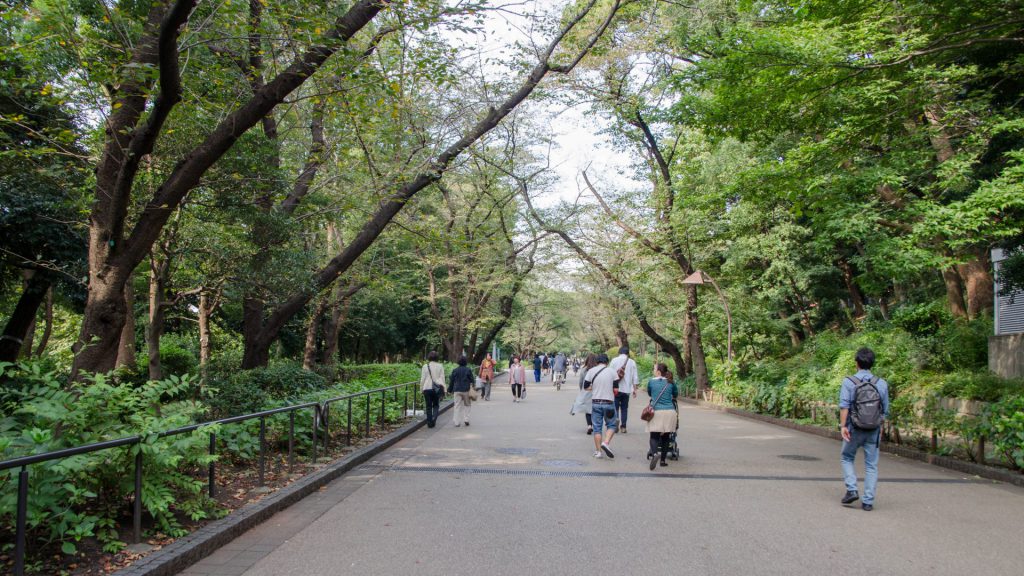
x,y
984,386
1003,423
83,496
963,345
922,319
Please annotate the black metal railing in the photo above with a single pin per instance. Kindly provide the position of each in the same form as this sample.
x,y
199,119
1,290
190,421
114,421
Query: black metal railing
x,y
320,420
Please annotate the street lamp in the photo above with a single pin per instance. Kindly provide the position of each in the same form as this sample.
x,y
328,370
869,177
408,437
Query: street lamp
x,y
699,278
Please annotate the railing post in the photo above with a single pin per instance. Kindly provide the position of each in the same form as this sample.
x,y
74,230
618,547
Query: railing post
x,y
316,416
21,529
213,450
137,511
263,434
291,441
405,402
367,397
348,424
383,400
325,414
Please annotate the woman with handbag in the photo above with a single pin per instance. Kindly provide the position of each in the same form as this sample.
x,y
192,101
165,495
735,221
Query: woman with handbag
x,y
462,381
660,414
432,385
517,377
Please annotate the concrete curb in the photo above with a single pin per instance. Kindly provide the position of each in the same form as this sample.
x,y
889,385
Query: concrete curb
x,y
190,549
974,469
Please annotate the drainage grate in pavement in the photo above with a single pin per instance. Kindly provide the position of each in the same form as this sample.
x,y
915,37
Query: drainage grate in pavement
x,y
562,463
517,451
581,474
799,457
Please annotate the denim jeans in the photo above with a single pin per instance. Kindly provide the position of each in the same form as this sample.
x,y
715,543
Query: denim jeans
x,y
432,403
622,407
868,440
536,375
604,415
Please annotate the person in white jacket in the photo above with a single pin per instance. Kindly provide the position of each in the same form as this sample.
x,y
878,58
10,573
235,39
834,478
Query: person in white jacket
x,y
432,373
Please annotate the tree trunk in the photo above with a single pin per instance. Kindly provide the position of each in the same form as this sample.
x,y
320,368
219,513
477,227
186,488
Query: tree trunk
x,y
883,306
339,312
131,136
851,287
620,334
23,316
30,333
694,344
954,293
795,338
126,344
977,276
154,331
205,310
309,354
48,326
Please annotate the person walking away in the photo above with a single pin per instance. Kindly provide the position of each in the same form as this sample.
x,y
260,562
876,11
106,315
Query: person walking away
x,y
517,377
487,375
663,393
604,386
537,363
432,386
863,407
626,372
584,400
462,381
545,364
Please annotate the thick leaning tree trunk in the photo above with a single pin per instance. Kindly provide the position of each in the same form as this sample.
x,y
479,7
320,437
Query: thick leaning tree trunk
x,y
132,130
257,348
23,316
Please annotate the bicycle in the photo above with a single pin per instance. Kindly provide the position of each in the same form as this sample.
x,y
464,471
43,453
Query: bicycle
x,y
559,378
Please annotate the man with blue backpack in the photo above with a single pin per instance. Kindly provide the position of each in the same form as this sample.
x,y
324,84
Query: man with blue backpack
x,y
863,407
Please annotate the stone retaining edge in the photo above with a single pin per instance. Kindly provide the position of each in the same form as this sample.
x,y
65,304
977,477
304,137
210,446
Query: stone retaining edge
x,y
190,549
972,468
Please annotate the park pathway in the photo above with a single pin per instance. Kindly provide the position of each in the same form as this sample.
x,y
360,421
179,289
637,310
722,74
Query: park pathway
x,y
518,493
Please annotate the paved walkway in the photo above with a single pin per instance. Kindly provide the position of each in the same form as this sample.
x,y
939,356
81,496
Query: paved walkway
x,y
519,493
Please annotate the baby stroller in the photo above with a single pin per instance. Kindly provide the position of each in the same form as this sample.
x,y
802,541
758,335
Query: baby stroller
x,y
673,444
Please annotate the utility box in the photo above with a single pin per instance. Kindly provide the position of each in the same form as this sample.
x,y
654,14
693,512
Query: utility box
x,y
1006,346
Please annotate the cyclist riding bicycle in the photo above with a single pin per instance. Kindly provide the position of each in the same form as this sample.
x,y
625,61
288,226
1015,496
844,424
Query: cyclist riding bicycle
x,y
558,369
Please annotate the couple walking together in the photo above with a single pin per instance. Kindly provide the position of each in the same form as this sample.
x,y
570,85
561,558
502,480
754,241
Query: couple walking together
x,y
609,387
462,386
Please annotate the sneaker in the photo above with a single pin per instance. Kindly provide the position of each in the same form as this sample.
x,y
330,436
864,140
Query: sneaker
x,y
867,507
607,450
622,430
598,454
851,496
466,423
458,425
590,430
654,461
663,463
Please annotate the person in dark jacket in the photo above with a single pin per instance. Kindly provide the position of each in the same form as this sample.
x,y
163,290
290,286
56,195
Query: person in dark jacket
x,y
461,381
537,363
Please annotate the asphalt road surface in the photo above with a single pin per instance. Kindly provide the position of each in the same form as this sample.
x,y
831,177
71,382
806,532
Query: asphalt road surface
x,y
518,492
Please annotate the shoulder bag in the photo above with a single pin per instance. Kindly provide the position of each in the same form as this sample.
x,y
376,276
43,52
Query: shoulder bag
x,y
437,388
648,414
